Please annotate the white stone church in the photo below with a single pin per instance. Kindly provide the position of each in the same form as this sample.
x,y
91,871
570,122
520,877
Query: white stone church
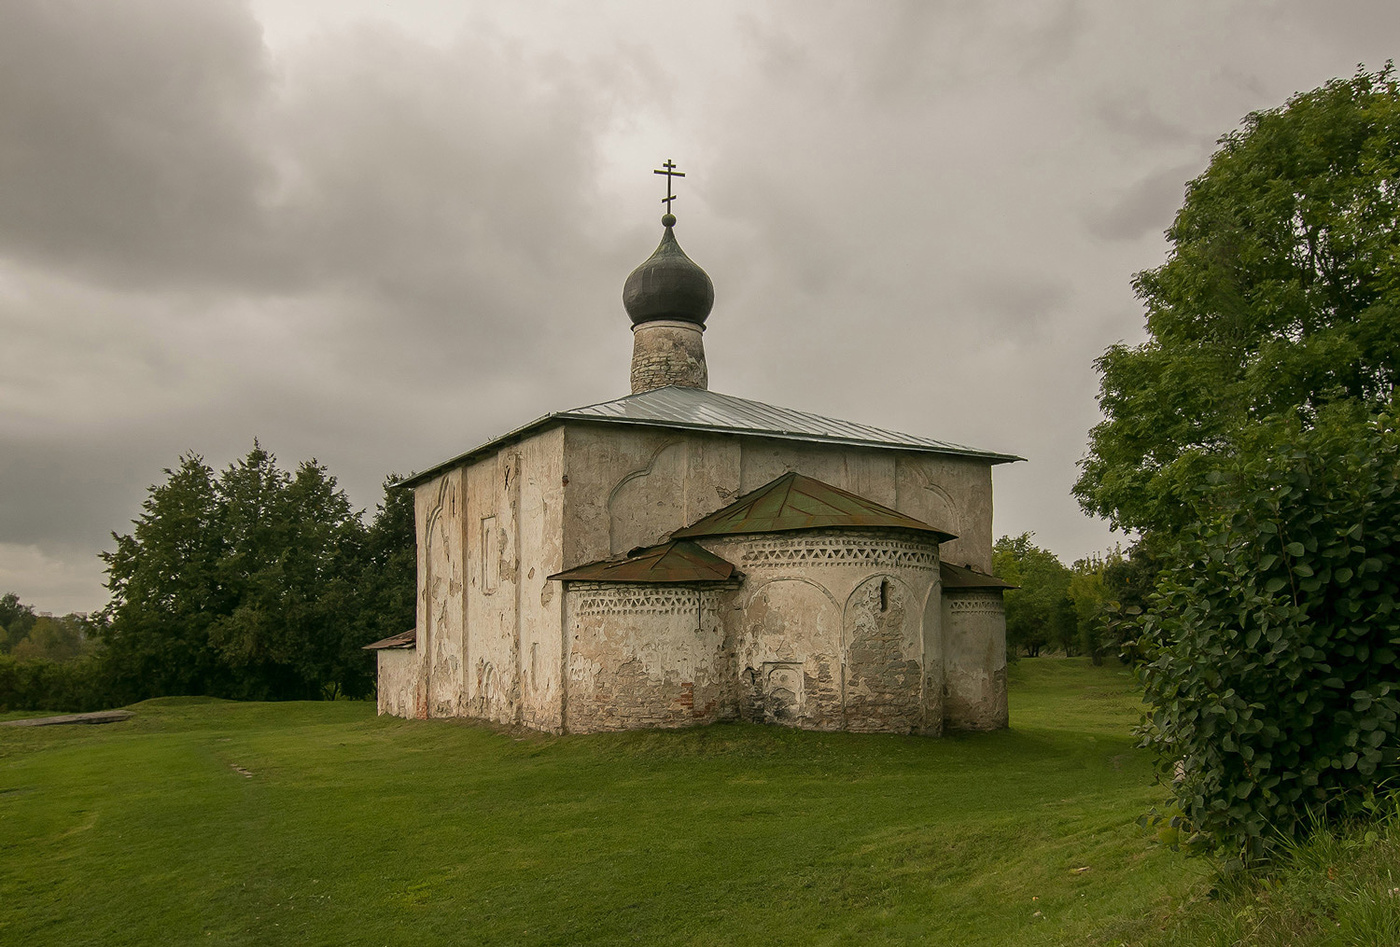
x,y
680,556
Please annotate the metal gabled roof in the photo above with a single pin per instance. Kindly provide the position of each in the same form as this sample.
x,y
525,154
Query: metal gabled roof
x,y
966,577
668,562
696,409
797,502
701,410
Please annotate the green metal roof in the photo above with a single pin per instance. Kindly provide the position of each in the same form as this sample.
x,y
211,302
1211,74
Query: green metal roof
x,y
668,562
797,502
966,577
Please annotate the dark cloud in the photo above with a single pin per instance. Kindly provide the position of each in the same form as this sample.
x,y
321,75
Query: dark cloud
x,y
1145,206
131,132
378,242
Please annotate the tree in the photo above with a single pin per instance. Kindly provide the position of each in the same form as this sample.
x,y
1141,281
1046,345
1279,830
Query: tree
x,y
55,639
255,584
1281,294
1252,441
1088,595
165,591
388,583
1272,651
16,619
1038,611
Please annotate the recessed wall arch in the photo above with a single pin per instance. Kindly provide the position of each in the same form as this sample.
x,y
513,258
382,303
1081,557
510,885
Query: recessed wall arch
x,y
648,502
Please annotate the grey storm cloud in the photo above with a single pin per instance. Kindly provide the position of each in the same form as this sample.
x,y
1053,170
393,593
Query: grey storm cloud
x,y
377,234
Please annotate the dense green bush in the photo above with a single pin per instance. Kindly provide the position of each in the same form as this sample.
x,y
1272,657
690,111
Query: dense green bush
x,y
1271,648
75,686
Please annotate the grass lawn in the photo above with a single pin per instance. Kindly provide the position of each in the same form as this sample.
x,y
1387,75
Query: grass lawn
x,y
209,822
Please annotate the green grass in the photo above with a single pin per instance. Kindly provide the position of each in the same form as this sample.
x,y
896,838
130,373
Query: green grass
x,y
1338,888
352,829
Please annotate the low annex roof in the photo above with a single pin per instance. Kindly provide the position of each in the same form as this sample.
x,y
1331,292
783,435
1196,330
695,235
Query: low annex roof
x,y
796,502
406,639
668,562
696,409
966,577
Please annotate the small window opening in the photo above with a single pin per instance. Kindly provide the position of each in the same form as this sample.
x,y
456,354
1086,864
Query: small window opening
x,y
884,595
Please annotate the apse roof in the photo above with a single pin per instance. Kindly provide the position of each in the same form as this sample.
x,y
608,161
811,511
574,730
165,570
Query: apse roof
x,y
696,409
668,562
966,577
797,502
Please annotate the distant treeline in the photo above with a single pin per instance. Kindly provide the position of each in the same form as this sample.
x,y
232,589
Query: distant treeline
x,y
252,583
1089,608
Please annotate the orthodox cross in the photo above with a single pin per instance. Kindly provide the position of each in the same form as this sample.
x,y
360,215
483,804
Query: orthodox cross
x,y
670,172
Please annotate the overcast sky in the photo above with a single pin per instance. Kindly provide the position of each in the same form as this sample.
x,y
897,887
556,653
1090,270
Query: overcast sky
x,y
379,233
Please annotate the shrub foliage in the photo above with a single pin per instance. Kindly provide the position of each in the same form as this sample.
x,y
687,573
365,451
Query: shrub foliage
x,y
1271,649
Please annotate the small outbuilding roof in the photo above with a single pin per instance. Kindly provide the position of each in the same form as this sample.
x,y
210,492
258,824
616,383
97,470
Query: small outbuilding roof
x,y
675,561
697,409
966,577
407,639
797,502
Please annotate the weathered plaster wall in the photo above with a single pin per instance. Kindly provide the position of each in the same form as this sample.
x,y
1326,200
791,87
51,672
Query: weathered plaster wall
x,y
645,656
398,681
954,494
541,607
513,521
632,487
629,488
974,632
489,624
438,508
829,629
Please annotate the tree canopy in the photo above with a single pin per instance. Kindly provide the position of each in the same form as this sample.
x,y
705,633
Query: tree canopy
x,y
1251,440
1280,294
255,583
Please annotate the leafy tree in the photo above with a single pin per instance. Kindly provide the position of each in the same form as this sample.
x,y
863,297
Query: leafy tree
x,y
1281,294
1088,595
55,639
293,548
1272,651
16,619
166,591
1251,441
256,583
388,582
1038,613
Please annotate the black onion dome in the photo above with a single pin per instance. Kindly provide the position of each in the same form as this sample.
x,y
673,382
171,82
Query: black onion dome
x,y
669,285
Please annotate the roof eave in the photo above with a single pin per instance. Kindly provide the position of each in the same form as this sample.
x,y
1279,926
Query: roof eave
x,y
559,417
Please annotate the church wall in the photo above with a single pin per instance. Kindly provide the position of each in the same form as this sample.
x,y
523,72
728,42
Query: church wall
x,y
633,487
398,681
629,488
541,607
645,656
954,494
513,521
495,641
438,508
974,623
867,473
833,630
